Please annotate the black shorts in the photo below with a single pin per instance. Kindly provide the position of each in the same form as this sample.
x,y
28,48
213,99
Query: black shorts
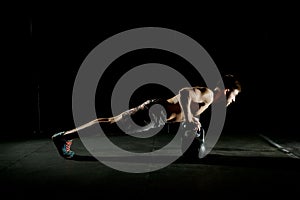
x,y
144,117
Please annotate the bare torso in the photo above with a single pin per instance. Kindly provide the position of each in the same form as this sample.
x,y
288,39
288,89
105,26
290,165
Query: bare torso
x,y
173,108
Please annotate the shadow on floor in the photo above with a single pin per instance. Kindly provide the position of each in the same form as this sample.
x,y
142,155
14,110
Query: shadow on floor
x,y
243,161
213,159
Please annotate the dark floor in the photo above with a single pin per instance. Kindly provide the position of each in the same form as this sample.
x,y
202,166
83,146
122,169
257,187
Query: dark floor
x,y
240,165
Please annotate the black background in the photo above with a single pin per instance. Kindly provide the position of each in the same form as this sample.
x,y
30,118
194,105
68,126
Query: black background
x,y
261,50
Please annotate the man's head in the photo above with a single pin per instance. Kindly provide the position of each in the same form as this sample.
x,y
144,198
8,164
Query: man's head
x,y
232,88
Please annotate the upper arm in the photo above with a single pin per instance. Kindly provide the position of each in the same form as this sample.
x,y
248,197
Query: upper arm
x,y
197,94
190,93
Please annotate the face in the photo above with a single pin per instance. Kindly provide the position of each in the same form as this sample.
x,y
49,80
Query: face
x,y
231,95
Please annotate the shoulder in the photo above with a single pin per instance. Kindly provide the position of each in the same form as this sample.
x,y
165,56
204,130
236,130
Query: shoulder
x,y
197,91
205,93
203,90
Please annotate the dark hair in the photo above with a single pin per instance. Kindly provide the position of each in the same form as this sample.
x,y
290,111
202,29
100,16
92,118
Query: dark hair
x,y
231,82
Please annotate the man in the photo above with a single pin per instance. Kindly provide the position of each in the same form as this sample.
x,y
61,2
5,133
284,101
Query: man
x,y
185,107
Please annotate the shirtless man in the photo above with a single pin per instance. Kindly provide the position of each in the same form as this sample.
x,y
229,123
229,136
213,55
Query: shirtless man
x,y
185,107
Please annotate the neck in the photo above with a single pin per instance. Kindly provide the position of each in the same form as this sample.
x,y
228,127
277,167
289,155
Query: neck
x,y
217,94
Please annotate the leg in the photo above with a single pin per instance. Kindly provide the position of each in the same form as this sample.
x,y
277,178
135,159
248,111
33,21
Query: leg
x,y
110,120
91,123
63,140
